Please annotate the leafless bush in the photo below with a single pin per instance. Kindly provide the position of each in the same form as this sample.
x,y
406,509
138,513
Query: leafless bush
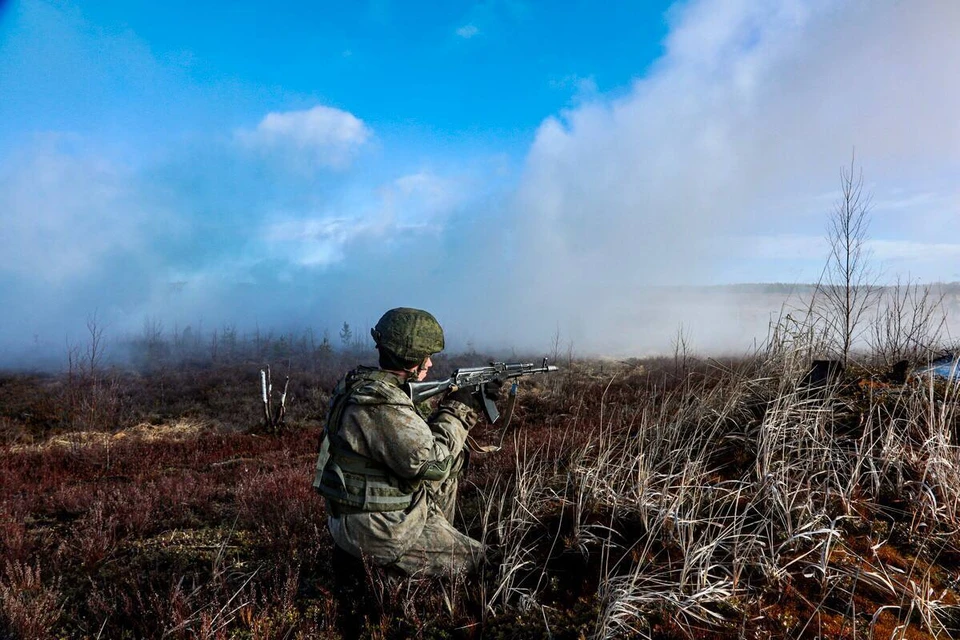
x,y
29,606
910,323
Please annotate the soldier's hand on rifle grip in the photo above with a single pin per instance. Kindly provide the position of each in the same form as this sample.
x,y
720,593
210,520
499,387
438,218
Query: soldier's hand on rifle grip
x,y
464,395
480,399
492,389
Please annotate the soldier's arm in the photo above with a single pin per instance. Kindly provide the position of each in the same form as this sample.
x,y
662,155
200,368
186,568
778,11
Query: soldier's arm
x,y
398,437
449,424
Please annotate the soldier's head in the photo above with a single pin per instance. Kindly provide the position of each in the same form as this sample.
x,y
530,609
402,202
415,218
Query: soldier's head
x,y
406,338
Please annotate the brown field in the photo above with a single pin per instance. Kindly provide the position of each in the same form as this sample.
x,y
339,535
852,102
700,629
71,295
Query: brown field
x,y
672,498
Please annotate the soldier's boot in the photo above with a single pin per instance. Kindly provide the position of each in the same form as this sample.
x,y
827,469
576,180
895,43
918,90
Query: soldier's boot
x,y
353,593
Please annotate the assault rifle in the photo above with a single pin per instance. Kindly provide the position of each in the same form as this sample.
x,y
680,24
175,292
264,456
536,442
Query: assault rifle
x,y
476,377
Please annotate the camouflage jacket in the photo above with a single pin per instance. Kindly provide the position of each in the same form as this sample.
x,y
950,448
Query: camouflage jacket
x,y
381,457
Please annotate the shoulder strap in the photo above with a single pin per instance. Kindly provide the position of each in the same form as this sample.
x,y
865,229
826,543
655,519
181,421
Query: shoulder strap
x,y
340,398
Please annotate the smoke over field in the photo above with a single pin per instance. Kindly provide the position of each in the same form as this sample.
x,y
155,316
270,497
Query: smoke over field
x,y
653,321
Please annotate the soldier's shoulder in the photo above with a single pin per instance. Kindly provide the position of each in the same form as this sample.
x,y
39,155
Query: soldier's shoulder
x,y
379,387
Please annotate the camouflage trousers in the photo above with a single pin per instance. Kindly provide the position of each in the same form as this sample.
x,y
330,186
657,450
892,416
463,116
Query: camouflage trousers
x,y
419,542
440,548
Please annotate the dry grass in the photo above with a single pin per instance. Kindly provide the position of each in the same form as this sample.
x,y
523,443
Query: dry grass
x,y
178,431
676,498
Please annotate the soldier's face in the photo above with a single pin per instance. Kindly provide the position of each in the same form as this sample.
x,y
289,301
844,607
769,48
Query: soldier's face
x,y
424,368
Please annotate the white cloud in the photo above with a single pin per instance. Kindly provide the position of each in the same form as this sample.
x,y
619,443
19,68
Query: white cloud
x,y
424,197
745,120
407,208
314,242
317,137
754,107
64,214
467,31
78,235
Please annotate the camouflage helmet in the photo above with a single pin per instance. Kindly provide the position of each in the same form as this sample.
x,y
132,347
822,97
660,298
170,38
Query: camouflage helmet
x,y
411,334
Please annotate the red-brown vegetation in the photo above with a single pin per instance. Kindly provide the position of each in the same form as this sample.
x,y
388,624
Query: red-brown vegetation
x,y
647,499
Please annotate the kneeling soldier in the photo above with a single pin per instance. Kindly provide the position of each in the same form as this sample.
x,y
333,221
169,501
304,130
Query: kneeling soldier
x,y
390,476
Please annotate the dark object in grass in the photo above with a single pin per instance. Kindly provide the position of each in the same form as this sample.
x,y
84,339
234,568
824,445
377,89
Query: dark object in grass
x,y
899,371
822,373
354,596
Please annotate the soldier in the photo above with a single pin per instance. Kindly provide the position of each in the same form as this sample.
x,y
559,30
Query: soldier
x,y
389,475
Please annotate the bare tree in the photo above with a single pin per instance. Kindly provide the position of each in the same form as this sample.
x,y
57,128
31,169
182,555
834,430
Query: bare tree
x,y
681,350
95,346
86,362
848,288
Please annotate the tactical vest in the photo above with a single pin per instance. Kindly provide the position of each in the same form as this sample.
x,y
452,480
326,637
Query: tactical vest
x,y
352,482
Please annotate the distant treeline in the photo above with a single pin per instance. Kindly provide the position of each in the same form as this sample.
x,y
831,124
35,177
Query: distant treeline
x,y
303,349
157,347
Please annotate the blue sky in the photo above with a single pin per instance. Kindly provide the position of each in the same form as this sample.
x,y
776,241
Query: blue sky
x,y
437,73
293,164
